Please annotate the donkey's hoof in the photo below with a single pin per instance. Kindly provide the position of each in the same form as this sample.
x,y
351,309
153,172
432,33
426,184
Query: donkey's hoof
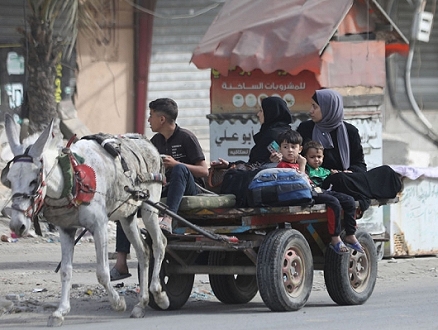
x,y
138,312
119,305
55,320
162,300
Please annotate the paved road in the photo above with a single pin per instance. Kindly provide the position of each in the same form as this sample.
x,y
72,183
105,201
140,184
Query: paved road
x,y
405,297
407,304
412,305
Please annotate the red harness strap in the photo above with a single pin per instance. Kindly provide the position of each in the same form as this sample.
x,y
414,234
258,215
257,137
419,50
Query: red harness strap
x,y
84,178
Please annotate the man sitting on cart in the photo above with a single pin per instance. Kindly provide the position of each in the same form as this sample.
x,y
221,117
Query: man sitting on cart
x,y
185,166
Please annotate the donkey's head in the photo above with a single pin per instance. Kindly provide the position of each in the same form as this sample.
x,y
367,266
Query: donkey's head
x,y
25,176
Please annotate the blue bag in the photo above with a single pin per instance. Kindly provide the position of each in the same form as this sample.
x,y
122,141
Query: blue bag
x,y
279,186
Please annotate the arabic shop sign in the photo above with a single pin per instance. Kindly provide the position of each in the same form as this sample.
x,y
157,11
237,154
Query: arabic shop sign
x,y
232,140
242,91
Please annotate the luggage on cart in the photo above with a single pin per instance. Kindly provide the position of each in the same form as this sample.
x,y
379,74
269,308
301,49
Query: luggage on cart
x,y
279,186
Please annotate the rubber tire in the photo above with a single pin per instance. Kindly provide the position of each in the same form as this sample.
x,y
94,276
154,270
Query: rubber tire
x,y
178,287
232,289
380,250
285,247
350,278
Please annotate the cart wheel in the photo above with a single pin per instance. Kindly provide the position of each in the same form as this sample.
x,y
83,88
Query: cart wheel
x,y
350,278
380,250
232,289
285,270
178,287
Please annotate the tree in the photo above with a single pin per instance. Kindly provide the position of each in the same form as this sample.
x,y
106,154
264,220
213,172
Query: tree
x,y
51,35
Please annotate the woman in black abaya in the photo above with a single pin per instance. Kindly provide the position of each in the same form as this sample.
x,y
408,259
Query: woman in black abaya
x,y
275,118
343,152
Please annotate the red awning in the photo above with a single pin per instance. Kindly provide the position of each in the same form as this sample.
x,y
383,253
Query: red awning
x,y
287,35
270,35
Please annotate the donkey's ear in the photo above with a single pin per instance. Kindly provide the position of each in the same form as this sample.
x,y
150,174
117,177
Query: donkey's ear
x,y
13,134
38,147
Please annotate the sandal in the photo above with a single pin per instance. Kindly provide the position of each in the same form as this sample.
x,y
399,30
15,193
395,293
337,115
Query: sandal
x,y
338,247
166,227
355,246
116,276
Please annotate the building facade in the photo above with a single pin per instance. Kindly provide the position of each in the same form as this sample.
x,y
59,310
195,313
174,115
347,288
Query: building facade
x,y
104,88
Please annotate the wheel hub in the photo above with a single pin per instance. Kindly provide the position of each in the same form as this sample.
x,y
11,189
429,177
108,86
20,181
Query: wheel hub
x,y
358,271
292,271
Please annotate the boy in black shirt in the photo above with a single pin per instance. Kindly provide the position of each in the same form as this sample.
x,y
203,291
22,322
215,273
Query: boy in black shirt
x,y
184,162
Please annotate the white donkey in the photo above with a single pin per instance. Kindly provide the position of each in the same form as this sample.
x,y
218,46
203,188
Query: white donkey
x,y
36,178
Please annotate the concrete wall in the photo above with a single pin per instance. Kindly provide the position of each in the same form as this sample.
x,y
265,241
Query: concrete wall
x,y
105,82
411,224
402,144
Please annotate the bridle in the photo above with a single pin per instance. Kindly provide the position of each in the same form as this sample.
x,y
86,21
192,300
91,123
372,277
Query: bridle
x,y
36,198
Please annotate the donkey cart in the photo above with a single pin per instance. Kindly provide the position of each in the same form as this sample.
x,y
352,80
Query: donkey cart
x,y
271,250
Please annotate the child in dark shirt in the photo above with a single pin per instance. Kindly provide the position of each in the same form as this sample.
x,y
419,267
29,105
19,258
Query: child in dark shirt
x,y
313,152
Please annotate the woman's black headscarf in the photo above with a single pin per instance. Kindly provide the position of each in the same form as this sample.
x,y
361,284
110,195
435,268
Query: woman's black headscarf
x,y
277,119
275,110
